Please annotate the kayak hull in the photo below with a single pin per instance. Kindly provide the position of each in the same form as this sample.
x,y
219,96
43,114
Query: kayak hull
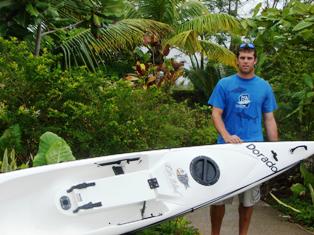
x,y
126,192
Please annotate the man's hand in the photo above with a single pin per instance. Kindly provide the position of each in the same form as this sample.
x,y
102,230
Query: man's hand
x,y
220,127
233,139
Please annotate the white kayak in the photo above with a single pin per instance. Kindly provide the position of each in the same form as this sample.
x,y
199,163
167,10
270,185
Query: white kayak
x,y
122,193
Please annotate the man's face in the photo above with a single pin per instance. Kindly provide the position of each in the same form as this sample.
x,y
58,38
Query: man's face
x,y
246,62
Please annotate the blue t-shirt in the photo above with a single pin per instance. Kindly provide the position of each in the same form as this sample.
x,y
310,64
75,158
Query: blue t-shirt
x,y
243,102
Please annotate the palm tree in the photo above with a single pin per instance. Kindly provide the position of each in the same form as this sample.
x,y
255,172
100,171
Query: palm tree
x,y
82,29
193,27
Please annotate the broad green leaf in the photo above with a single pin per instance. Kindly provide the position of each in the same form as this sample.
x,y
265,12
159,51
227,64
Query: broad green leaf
x,y
257,9
302,25
39,160
52,149
59,152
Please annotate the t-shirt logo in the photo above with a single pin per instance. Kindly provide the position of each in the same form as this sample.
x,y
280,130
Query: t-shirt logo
x,y
244,101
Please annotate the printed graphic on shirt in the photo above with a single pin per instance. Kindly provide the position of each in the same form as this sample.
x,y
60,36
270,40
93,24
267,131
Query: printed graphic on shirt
x,y
243,101
242,115
238,90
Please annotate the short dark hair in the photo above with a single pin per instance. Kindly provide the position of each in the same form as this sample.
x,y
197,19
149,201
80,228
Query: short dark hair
x,y
247,47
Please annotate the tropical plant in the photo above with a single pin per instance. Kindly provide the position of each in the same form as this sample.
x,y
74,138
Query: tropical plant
x,y
95,114
164,73
284,39
301,204
52,149
193,26
82,30
204,80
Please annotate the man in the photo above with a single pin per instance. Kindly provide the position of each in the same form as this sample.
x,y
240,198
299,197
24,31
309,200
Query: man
x,y
240,102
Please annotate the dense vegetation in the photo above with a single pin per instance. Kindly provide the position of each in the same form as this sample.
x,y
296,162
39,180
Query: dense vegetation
x,y
98,74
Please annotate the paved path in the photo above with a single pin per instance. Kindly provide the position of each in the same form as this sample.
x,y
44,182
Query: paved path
x,y
265,221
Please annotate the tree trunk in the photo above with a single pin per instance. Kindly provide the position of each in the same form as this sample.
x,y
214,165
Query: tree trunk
x,y
229,7
202,61
38,39
235,13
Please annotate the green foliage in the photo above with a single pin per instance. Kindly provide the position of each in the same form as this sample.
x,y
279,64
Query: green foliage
x,y
82,30
5,165
298,189
9,162
284,40
305,189
11,138
173,227
192,27
205,80
306,175
96,116
301,204
52,149
305,213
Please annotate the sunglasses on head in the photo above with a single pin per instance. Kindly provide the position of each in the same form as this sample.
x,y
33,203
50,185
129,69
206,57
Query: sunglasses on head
x,y
247,45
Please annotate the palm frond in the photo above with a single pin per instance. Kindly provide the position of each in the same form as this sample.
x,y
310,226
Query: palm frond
x,y
164,11
187,41
191,9
212,23
124,34
130,11
218,53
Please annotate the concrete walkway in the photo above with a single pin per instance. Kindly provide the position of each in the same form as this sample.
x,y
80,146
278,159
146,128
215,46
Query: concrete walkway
x,y
265,221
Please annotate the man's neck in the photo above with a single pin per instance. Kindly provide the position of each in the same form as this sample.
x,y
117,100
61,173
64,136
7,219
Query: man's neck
x,y
246,76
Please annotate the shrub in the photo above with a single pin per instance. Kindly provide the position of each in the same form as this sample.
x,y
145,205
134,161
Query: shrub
x,y
93,114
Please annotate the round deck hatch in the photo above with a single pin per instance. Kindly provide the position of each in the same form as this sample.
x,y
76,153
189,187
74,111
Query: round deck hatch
x,y
204,170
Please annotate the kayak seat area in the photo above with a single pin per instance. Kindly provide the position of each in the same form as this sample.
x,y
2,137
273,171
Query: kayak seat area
x,y
118,190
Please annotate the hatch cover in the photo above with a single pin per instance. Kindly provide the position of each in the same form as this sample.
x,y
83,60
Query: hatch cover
x,y
204,170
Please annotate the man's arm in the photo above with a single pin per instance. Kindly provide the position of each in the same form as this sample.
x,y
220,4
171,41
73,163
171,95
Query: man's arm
x,y
270,126
220,127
